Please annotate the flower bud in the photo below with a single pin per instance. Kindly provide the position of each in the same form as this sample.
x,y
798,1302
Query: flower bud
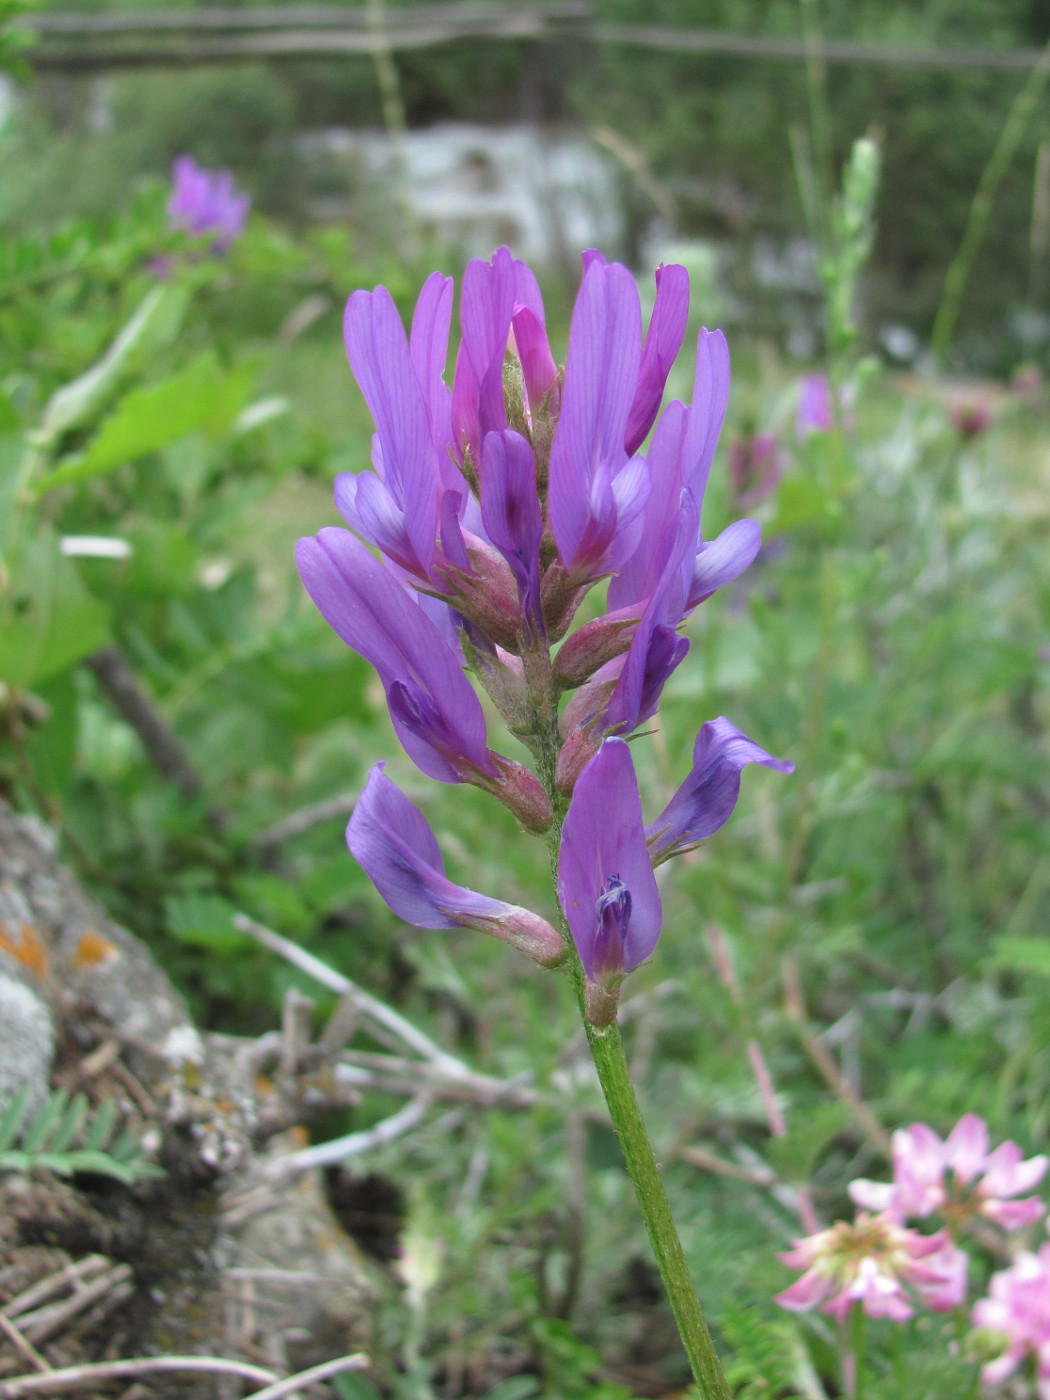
x,y
531,935
521,791
590,647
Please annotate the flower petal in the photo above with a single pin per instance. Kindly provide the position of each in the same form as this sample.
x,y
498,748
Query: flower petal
x,y
512,515
1006,1174
601,373
662,343
706,799
724,559
379,357
378,617
604,858
394,844
966,1147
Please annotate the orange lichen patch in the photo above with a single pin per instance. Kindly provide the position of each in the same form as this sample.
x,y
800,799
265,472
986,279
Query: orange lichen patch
x,y
27,949
93,948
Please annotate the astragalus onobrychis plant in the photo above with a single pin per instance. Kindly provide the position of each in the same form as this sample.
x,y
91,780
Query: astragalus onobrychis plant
x,y
495,506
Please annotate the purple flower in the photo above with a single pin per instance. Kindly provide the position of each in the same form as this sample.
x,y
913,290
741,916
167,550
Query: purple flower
x,y
678,465
511,513
606,883
662,344
706,799
496,296
756,465
970,417
596,492
390,837
206,201
816,412
435,711
561,452
398,507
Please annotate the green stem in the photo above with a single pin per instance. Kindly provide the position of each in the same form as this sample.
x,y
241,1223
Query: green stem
x,y
857,1349
614,1076
1024,107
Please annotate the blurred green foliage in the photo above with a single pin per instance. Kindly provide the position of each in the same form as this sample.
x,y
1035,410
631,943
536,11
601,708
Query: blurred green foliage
x,y
713,129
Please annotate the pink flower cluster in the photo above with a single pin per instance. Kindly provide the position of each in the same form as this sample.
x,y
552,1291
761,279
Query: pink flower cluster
x,y
878,1258
957,1178
1018,1306
869,1261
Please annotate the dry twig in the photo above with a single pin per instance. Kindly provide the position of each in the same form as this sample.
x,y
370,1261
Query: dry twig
x,y
90,1375
22,1344
356,1362
370,1006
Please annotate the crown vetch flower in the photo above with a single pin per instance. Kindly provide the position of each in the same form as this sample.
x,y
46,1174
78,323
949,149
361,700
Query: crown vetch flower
x,y
872,1261
705,801
981,1182
606,883
391,839
1018,1306
207,201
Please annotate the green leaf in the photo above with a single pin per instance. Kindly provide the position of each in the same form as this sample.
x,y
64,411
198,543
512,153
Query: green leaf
x,y
101,1126
198,397
37,1134
204,919
1031,955
352,1385
48,619
12,1118
153,325
72,1121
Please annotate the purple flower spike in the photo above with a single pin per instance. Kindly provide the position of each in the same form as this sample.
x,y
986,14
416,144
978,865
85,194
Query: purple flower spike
x,y
435,711
596,494
207,201
510,510
391,839
605,880
662,344
706,799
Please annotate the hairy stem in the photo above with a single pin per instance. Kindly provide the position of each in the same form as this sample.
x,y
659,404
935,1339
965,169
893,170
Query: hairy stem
x,y
614,1076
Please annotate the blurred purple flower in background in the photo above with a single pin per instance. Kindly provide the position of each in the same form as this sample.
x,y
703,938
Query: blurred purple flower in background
x,y
207,201
970,417
816,410
756,464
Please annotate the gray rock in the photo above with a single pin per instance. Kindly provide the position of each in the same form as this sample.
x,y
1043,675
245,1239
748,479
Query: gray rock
x,y
27,1043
